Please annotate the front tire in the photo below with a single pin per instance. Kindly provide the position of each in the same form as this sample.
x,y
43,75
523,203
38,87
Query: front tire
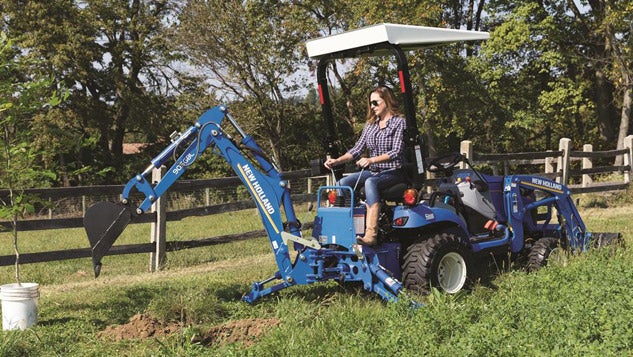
x,y
441,262
546,250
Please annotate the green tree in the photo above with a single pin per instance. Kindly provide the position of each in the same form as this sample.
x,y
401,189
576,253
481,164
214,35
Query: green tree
x,y
614,27
117,61
529,77
563,67
252,53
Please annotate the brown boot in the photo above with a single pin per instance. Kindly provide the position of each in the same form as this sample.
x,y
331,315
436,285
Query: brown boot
x,y
371,223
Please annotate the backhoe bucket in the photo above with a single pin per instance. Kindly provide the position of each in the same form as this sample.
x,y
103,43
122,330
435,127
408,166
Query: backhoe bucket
x,y
104,222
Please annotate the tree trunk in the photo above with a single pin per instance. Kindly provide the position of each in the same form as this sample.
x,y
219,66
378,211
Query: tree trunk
x,y
430,140
118,134
625,119
347,94
604,106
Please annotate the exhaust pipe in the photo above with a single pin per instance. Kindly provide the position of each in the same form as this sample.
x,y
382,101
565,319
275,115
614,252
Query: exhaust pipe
x,y
104,222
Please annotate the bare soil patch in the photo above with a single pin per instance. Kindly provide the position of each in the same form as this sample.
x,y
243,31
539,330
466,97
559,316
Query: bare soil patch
x,y
140,326
245,331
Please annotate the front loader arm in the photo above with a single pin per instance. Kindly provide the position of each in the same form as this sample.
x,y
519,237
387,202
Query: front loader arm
x,y
104,222
554,196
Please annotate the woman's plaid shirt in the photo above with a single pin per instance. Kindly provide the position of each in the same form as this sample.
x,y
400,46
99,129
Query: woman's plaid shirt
x,y
389,140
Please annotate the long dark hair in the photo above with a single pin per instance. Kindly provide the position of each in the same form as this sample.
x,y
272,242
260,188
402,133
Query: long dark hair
x,y
387,95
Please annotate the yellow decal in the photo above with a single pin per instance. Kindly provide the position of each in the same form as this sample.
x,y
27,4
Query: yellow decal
x,y
544,184
259,194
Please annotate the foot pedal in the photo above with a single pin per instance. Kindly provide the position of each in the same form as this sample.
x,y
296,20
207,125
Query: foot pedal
x,y
491,225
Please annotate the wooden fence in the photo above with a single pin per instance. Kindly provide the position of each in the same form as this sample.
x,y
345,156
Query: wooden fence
x,y
157,246
557,165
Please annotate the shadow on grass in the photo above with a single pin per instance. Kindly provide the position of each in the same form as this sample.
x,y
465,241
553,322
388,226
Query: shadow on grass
x,y
325,292
113,305
232,292
56,321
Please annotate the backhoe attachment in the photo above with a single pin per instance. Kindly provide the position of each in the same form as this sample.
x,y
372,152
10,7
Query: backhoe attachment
x,y
270,191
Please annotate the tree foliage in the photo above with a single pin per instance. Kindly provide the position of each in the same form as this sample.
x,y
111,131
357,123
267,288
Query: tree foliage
x,y
552,65
139,69
115,58
21,98
253,54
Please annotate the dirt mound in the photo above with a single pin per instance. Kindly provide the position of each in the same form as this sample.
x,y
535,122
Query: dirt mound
x,y
140,326
143,326
245,331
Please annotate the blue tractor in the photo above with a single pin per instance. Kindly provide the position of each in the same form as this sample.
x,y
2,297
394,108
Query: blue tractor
x,y
424,242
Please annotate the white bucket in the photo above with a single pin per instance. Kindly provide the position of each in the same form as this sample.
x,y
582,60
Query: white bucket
x,y
19,305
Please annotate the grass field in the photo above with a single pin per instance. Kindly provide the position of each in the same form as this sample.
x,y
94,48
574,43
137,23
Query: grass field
x,y
583,307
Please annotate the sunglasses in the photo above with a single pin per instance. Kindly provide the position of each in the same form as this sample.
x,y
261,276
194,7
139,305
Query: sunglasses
x,y
374,103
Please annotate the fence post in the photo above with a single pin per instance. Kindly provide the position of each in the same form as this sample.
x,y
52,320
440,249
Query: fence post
x,y
429,176
628,158
564,145
466,149
83,205
549,166
158,228
587,164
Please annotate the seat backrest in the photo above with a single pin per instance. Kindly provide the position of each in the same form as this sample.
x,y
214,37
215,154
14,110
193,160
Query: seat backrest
x,y
495,187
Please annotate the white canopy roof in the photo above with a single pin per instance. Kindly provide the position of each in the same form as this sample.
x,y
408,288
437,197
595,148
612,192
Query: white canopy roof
x,y
407,36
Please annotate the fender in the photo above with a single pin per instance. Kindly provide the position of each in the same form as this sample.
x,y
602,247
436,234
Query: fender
x,y
423,215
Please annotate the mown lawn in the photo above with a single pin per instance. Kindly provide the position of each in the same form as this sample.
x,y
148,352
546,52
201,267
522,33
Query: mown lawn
x,y
581,308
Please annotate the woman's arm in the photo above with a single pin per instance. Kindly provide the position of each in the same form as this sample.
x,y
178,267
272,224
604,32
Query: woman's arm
x,y
329,163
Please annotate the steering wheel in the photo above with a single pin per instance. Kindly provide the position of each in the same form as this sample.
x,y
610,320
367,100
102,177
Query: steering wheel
x,y
445,163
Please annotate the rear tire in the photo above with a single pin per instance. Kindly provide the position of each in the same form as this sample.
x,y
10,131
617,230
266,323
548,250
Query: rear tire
x,y
545,250
440,262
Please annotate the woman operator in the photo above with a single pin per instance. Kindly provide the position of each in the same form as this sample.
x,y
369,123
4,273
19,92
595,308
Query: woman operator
x,y
383,137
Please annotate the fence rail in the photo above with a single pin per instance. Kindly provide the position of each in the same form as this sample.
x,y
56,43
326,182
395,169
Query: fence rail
x,y
556,165
150,217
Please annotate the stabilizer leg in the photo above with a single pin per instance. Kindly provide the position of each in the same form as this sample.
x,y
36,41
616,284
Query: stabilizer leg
x,y
258,290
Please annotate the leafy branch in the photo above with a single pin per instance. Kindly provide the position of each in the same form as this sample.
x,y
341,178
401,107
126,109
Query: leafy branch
x,y
21,98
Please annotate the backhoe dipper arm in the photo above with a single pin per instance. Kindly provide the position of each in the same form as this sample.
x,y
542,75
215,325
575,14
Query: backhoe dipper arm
x,y
209,121
263,180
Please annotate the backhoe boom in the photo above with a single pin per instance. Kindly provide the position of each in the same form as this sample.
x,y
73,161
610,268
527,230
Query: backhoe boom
x,y
263,181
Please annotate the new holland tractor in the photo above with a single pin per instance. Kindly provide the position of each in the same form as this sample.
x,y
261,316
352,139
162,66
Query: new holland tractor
x,y
424,242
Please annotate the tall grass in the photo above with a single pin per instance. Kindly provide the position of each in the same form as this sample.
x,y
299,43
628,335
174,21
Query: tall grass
x,y
581,308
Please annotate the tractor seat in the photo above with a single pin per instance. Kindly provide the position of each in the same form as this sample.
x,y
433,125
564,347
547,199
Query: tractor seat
x,y
393,193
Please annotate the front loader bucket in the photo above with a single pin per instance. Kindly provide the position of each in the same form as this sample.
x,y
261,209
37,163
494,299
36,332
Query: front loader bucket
x,y
602,239
104,222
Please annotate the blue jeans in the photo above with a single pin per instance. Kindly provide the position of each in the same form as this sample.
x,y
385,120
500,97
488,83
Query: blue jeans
x,y
374,182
